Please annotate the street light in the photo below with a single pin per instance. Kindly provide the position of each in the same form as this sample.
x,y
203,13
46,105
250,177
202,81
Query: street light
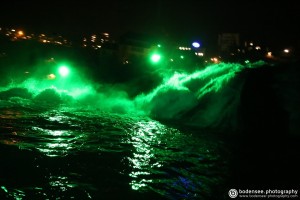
x,y
196,44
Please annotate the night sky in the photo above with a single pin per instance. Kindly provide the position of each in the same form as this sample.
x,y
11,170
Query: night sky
x,y
270,20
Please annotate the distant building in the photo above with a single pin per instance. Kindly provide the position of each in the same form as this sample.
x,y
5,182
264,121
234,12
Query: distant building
x,y
228,42
96,41
133,45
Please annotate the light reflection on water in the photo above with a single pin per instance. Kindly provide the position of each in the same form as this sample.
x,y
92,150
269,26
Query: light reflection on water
x,y
144,137
93,155
172,163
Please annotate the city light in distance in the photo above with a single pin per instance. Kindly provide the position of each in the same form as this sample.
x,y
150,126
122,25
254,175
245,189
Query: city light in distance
x,y
196,44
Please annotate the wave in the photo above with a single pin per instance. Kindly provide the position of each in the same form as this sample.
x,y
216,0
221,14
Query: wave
x,y
220,96
199,98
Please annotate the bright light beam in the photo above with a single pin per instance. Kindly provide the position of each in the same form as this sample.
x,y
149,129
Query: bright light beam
x,y
64,71
155,58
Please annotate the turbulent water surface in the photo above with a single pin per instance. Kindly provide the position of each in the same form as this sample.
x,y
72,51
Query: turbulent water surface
x,y
75,140
75,153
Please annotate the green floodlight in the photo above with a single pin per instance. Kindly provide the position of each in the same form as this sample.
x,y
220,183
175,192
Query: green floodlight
x,y
155,58
64,71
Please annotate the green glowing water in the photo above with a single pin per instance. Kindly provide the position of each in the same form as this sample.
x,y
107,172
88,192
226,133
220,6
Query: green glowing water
x,y
176,94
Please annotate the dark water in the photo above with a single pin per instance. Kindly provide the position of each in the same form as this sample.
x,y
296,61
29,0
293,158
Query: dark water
x,y
194,136
80,154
